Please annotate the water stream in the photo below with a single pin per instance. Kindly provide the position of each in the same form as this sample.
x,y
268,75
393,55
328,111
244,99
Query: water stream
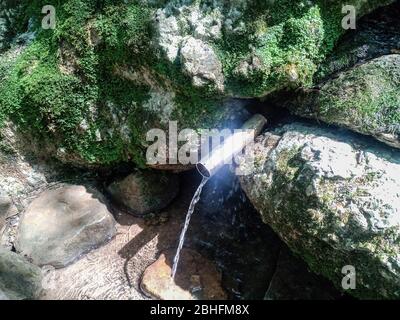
x,y
195,199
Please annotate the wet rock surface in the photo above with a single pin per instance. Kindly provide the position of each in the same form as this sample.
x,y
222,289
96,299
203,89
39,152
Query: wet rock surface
x,y
226,228
143,192
244,252
332,196
292,280
197,278
19,279
64,223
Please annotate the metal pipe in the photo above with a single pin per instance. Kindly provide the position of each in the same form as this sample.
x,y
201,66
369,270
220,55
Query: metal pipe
x,y
235,143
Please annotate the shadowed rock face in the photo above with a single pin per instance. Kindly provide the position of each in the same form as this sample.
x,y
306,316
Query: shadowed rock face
x,y
19,279
6,206
145,191
62,224
293,281
377,34
333,198
11,21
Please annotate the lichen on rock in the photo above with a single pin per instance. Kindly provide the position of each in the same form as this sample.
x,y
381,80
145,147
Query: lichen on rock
x,y
333,198
365,99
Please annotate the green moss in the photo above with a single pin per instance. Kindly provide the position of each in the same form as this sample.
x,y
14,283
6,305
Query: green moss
x,y
303,234
61,89
363,99
290,38
51,103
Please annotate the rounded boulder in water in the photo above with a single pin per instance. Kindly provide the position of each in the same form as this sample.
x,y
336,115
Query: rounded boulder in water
x,y
144,192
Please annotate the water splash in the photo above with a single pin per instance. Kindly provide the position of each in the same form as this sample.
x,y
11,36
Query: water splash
x,y
195,199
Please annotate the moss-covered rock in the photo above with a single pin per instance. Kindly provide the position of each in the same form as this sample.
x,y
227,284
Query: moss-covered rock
x,y
333,198
358,86
365,99
263,46
88,91
377,34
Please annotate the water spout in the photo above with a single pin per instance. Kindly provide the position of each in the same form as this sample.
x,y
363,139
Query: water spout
x,y
215,161
234,144
195,199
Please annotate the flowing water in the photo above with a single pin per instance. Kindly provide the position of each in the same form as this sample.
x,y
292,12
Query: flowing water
x,y
195,199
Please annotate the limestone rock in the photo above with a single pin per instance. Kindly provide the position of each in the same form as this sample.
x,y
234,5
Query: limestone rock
x,y
145,191
196,278
201,63
64,223
19,279
334,199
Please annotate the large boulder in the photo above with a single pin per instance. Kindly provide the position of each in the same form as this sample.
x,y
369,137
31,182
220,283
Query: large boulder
x,y
365,99
64,223
334,199
145,191
377,34
89,91
19,279
358,85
